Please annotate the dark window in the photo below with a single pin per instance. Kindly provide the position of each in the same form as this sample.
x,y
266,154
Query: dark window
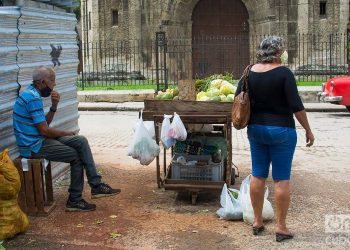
x,y
89,20
114,18
323,10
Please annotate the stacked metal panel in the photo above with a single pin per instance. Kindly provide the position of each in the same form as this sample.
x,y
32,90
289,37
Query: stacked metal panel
x,y
60,3
8,75
44,37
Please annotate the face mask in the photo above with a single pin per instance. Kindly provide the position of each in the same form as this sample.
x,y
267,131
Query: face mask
x,y
45,92
284,57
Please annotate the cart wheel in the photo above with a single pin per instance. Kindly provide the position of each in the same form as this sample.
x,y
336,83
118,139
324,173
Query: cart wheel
x,y
194,198
233,176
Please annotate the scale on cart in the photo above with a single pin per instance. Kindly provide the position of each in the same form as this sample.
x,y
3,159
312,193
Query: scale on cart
x,y
205,175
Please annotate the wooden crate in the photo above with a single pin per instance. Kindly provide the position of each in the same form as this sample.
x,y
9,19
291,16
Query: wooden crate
x,y
36,193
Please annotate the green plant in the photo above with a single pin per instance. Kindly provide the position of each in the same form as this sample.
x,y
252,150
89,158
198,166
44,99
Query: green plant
x,y
203,84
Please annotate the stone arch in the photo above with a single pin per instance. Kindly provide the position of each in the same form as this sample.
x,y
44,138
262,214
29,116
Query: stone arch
x,y
183,9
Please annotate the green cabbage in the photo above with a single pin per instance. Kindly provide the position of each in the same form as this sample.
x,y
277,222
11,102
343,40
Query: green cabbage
x,y
215,99
204,99
230,97
200,95
227,88
213,92
215,83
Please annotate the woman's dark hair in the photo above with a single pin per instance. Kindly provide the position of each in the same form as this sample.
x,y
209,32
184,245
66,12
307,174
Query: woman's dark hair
x,y
269,49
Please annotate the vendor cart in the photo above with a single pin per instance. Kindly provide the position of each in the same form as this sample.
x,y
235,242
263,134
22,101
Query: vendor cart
x,y
192,112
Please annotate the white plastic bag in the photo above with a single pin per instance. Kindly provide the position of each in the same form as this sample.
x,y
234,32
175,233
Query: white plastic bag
x,y
247,208
167,141
231,207
149,126
142,146
177,129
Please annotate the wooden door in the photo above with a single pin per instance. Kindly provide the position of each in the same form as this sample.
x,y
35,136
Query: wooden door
x,y
220,37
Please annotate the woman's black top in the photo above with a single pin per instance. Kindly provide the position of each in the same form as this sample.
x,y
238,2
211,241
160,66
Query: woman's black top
x,y
274,97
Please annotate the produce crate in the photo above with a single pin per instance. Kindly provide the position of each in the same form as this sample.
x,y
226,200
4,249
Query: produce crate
x,y
204,170
193,148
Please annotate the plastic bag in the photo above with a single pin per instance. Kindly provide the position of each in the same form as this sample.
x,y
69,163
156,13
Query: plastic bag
x,y
149,126
248,212
177,129
167,141
12,218
143,147
231,206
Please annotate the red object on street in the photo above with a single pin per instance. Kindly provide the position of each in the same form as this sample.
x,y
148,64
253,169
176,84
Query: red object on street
x,y
337,91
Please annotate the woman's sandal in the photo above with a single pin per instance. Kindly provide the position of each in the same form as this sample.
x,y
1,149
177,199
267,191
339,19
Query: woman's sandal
x,y
281,237
258,230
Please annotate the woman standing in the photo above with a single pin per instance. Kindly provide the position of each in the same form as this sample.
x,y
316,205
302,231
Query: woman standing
x,y
271,130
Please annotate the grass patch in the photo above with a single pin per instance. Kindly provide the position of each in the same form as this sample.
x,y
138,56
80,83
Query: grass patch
x,y
313,83
154,86
118,87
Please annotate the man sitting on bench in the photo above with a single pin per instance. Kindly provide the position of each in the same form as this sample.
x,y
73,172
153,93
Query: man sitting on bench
x,y
36,139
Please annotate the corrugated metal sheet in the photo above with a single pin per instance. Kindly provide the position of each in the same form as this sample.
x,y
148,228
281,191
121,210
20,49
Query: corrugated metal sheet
x,y
8,74
60,3
44,37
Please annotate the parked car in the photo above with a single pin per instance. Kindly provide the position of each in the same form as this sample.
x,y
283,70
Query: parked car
x,y
318,69
337,91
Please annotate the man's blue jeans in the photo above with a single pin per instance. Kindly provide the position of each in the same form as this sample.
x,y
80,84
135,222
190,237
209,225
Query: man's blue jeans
x,y
272,144
76,151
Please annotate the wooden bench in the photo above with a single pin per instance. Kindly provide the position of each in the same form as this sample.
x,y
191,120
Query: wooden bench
x,y
36,194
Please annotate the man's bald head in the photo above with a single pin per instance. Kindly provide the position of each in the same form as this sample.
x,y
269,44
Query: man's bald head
x,y
42,73
44,77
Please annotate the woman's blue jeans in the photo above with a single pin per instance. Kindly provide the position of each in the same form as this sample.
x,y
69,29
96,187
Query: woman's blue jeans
x,y
272,144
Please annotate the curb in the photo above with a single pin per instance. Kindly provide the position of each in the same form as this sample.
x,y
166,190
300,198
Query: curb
x,y
111,107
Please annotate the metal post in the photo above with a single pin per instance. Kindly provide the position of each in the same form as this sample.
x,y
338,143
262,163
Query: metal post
x,y
160,42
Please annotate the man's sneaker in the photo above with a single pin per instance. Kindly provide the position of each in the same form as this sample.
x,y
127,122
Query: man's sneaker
x,y
103,190
79,206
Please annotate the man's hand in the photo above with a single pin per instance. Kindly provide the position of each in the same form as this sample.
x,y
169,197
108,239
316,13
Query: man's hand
x,y
70,133
309,139
55,99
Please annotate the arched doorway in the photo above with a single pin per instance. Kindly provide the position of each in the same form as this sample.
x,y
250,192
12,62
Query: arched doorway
x,y
220,37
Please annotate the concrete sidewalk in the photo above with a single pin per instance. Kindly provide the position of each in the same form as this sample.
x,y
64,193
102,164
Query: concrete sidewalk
x,y
136,106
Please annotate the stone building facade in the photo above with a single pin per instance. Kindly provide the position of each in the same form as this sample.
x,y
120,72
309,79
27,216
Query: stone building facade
x,y
140,19
128,20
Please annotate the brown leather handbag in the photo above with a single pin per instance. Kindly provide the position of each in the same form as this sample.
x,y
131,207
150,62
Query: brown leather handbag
x,y
241,104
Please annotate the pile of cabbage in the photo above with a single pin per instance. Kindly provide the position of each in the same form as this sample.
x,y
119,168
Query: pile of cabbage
x,y
169,94
219,91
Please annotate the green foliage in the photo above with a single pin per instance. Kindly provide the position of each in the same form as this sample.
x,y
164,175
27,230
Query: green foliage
x,y
310,83
76,10
203,84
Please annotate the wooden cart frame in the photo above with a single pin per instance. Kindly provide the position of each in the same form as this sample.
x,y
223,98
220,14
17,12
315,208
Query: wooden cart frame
x,y
191,112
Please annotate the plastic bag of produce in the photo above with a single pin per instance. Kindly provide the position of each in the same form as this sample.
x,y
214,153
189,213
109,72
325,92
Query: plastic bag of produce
x,y
231,208
12,218
177,129
167,141
149,126
143,147
248,213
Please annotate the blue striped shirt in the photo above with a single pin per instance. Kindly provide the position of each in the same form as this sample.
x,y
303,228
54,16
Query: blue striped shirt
x,y
28,111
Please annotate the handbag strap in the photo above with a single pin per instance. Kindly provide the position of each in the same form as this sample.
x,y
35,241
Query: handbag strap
x,y
245,77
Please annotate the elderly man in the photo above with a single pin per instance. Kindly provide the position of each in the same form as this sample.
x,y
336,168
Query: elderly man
x,y
36,139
